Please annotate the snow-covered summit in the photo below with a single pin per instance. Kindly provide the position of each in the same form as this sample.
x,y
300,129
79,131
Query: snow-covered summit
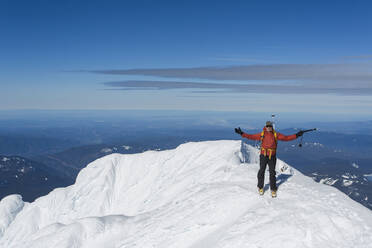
x,y
197,195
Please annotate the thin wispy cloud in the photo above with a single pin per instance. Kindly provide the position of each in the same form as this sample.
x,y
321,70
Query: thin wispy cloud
x,y
199,87
322,72
236,59
359,57
340,79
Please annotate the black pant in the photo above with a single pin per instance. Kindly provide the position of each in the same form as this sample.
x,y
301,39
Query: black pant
x,y
264,160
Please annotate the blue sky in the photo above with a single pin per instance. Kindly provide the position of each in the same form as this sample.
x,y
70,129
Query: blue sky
x,y
275,56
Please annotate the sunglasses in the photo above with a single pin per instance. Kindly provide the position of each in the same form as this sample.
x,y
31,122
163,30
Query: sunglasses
x,y
269,126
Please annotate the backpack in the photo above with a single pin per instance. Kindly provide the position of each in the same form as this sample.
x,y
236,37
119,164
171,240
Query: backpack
x,y
275,136
270,150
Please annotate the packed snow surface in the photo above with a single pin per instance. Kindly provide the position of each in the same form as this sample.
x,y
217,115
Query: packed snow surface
x,y
198,195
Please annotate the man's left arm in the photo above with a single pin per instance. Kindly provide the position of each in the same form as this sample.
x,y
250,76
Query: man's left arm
x,y
283,137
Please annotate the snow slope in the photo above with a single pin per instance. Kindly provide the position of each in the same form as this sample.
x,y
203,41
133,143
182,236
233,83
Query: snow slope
x,y
197,195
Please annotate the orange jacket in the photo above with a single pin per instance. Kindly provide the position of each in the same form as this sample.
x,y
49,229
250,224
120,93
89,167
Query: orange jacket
x,y
268,141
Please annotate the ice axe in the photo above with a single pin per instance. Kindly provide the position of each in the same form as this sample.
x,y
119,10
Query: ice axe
x,y
305,131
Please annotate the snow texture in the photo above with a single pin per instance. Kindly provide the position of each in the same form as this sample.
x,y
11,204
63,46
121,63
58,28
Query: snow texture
x,y
106,150
10,206
369,177
126,147
355,165
197,195
328,181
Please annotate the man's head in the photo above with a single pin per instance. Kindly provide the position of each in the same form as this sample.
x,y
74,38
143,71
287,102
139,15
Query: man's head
x,y
269,126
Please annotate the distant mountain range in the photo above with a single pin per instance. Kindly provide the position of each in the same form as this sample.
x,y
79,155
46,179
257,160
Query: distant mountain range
x,y
31,179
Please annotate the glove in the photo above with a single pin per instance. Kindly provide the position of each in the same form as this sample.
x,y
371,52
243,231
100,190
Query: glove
x,y
300,133
238,131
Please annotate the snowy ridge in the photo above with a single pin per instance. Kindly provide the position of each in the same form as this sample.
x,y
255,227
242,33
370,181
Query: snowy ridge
x,y
197,195
10,206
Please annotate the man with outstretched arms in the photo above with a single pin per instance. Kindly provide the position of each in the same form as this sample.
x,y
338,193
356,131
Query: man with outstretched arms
x,y
269,140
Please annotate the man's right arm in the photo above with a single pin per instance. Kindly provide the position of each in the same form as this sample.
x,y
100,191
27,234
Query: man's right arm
x,y
256,136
